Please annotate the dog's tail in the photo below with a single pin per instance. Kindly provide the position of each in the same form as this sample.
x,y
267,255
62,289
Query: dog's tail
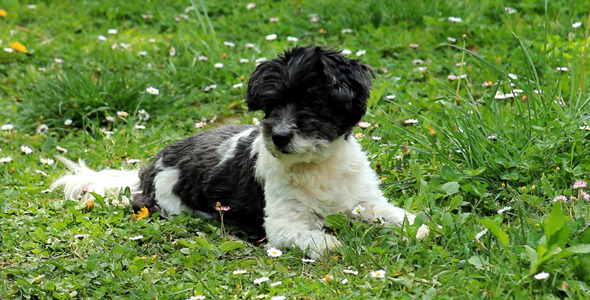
x,y
81,180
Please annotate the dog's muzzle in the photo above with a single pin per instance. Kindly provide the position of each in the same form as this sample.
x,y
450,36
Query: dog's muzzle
x,y
282,138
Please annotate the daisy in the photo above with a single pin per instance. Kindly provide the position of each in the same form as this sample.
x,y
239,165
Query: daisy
x,y
349,271
41,172
26,149
250,6
541,275
42,128
347,30
244,60
250,45
510,10
218,65
273,20
152,90
344,281
378,274
292,39
239,272
414,45
110,118
376,138
580,184
561,198
417,61
390,97
210,87
143,115
504,209
172,51
346,52
278,297
260,60
102,38
139,126
307,260
577,24
274,252
5,159
364,124
271,37
197,297
261,280
410,121
135,238
455,19
202,58
480,234
112,31
61,149
512,76
229,44
122,114
451,39
361,52
358,209
276,283
237,85
142,53
132,161
562,69
47,161
255,121
68,122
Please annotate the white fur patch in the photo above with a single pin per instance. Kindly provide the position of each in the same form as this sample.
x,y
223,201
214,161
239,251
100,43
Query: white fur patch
x,y
164,183
300,193
227,149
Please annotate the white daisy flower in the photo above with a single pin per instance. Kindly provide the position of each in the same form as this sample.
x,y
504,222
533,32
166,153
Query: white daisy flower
x,y
5,159
455,19
504,209
261,280
292,39
218,65
541,275
271,37
26,149
102,38
480,234
357,209
250,6
378,274
239,271
152,90
135,238
112,31
577,24
68,122
47,161
346,52
274,252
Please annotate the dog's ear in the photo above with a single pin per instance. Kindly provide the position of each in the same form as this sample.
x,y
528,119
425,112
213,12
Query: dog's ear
x,y
349,82
256,86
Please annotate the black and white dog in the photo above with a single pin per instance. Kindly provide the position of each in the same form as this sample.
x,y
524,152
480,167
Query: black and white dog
x,y
281,178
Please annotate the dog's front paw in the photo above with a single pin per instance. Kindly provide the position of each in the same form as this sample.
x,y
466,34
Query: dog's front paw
x,y
422,231
319,244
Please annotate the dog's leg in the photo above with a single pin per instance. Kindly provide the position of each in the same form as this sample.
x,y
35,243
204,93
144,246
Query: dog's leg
x,y
287,226
390,214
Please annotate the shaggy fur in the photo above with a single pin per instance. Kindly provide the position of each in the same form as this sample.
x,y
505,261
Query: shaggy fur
x,y
281,179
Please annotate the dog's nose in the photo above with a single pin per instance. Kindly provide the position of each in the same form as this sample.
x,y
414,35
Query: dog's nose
x,y
282,138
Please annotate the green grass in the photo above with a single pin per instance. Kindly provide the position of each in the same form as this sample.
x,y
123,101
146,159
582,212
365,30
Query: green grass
x,y
446,165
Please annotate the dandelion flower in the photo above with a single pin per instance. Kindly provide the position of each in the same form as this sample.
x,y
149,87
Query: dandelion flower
x,y
541,275
239,272
152,90
274,252
378,274
580,184
261,280
26,149
18,47
142,213
47,161
3,13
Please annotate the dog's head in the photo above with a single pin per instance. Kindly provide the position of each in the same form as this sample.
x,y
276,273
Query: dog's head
x,y
311,96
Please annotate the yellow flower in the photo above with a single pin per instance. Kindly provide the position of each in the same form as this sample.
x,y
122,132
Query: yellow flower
x,y
523,188
18,47
557,168
533,187
89,204
3,13
142,213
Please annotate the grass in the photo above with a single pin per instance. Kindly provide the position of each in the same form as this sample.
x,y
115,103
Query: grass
x,y
472,150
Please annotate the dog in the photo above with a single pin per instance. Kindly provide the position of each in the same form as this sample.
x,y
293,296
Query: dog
x,y
280,178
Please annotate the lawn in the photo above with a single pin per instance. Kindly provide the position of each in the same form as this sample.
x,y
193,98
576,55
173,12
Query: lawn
x,y
479,120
